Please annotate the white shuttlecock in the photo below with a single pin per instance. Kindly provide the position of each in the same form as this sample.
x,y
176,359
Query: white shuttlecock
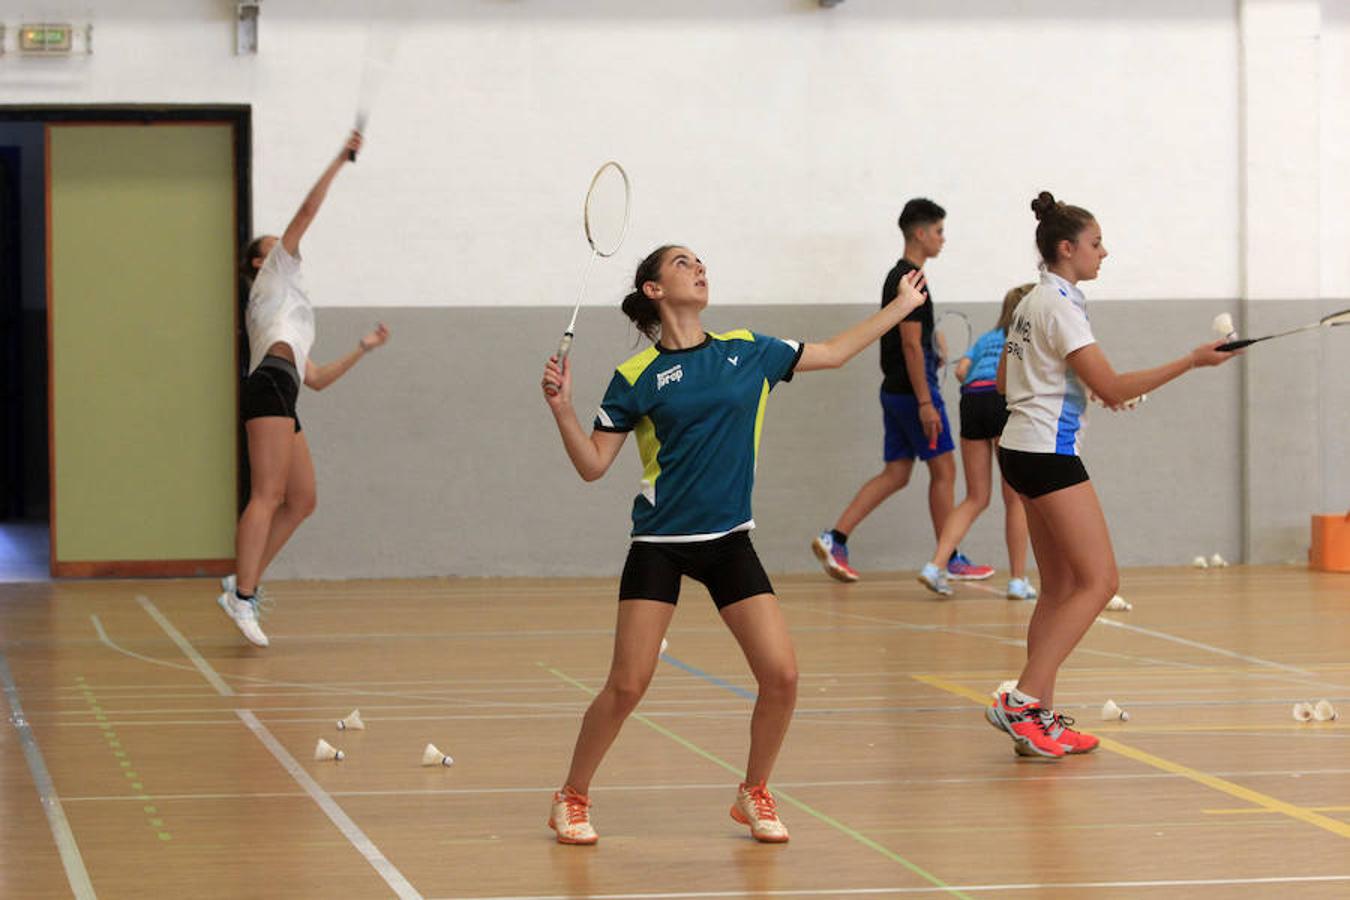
x,y
1003,688
352,722
324,750
1119,604
1303,712
664,644
1200,562
1218,562
1111,712
1223,326
1324,711
433,757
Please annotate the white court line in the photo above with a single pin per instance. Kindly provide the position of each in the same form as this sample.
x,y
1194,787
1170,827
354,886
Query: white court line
x,y
364,845
929,889
211,675
1209,648
71,860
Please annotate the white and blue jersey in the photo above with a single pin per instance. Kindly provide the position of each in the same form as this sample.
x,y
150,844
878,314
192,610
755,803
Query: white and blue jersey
x,y
1046,401
698,414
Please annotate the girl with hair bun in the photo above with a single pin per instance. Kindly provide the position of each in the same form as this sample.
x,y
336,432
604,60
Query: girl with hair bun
x,y
696,401
1050,361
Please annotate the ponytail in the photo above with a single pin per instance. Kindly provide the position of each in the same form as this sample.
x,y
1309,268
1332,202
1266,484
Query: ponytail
x,y
637,306
1056,222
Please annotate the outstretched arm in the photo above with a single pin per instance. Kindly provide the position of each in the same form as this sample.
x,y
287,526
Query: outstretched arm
x,y
300,222
845,345
1115,388
319,377
592,454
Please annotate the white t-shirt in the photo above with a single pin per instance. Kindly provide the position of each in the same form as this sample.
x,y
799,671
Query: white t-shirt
x,y
1045,399
279,310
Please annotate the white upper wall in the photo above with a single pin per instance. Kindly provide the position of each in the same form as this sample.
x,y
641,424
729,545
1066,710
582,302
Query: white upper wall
x,y
1335,212
780,140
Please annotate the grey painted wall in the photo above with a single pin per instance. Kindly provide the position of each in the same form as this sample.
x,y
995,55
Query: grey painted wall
x,y
437,455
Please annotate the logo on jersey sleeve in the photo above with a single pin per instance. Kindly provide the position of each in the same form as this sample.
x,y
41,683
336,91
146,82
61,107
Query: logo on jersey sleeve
x,y
673,374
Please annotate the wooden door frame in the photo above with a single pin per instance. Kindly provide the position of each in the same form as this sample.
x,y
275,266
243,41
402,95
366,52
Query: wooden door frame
x,y
240,118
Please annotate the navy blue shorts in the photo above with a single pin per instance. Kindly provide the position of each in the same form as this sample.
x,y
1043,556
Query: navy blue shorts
x,y
904,432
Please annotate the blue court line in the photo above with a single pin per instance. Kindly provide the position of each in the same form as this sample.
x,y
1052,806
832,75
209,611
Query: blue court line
x,y
711,679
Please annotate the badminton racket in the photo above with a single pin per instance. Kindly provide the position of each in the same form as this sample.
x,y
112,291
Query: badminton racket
x,y
1336,318
951,339
375,65
604,219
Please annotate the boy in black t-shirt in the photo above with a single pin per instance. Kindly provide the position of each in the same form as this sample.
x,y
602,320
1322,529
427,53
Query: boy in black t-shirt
x,y
912,408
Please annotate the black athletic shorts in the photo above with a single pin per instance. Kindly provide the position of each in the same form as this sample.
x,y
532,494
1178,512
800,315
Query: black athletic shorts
x,y
271,390
1037,474
727,566
983,415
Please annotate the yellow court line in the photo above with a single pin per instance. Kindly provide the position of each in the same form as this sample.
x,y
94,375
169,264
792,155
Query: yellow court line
x,y
1247,811
1270,804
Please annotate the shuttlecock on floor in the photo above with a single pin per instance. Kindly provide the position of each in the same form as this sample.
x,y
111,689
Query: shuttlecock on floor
x,y
324,750
1004,687
1323,711
1200,562
1111,712
1303,712
352,722
433,757
1119,604
1218,562
1223,326
664,645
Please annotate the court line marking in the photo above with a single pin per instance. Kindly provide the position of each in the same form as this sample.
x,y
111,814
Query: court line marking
x,y
71,860
1247,810
810,810
211,675
1341,829
973,888
350,830
1209,648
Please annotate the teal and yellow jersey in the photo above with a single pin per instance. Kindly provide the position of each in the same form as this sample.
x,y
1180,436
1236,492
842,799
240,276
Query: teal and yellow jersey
x,y
698,413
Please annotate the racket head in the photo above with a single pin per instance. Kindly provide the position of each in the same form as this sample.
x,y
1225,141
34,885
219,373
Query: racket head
x,y
952,336
1337,318
605,215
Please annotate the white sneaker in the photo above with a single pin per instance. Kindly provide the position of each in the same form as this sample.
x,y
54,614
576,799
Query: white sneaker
x,y
228,584
244,614
570,817
1021,589
756,807
935,580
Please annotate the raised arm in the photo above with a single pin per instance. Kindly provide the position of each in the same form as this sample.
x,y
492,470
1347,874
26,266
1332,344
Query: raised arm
x,y
592,454
1114,388
300,222
318,377
845,345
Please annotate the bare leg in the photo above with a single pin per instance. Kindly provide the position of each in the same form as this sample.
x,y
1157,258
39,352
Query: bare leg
x,y
758,625
271,440
298,505
891,479
975,459
637,647
1015,531
1066,526
941,491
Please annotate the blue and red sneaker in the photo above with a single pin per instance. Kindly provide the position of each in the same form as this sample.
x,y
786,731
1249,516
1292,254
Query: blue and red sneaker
x,y
834,557
961,569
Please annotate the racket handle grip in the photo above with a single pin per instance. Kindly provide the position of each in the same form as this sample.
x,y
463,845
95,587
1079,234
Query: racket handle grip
x,y
564,347
1235,345
351,156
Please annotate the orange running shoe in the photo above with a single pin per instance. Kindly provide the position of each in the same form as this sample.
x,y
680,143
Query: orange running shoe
x,y
571,817
756,807
1071,740
1029,726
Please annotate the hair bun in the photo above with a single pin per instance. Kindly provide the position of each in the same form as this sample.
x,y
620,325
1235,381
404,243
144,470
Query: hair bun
x,y
1044,202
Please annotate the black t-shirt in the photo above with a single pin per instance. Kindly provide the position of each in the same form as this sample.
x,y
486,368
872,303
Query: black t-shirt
x,y
896,380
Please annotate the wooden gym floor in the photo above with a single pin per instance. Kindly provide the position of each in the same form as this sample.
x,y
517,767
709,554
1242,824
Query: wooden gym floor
x,y
149,752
